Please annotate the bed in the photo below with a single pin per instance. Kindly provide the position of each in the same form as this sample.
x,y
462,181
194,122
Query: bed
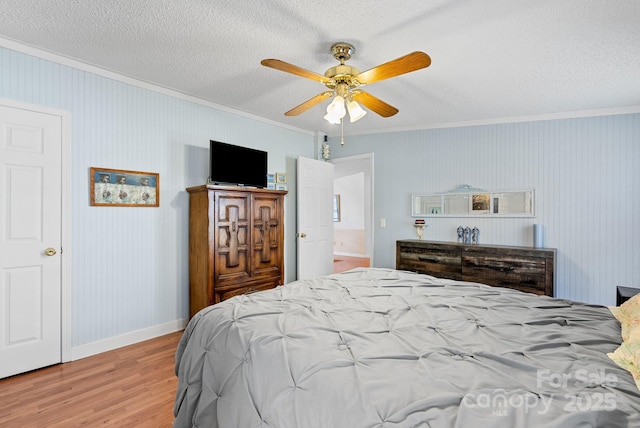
x,y
385,348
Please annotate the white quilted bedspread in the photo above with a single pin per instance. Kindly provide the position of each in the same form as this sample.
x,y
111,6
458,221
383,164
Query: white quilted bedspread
x,y
383,348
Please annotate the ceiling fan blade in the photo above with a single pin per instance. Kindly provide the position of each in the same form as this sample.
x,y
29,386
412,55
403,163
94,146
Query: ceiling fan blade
x,y
405,64
374,104
293,69
309,103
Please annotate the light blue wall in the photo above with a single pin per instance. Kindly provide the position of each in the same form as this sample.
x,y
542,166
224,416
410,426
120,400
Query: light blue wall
x,y
130,265
586,176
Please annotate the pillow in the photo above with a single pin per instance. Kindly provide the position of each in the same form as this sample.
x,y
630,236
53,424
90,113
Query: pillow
x,y
627,356
628,314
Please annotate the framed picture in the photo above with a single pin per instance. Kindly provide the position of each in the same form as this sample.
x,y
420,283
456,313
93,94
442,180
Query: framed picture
x,y
271,178
271,186
122,188
336,207
281,177
281,187
480,202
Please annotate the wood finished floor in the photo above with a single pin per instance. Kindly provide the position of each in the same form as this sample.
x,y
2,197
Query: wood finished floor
x,y
133,386
343,263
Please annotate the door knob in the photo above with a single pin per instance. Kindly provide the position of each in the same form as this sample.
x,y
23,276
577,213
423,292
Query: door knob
x,y
303,235
50,251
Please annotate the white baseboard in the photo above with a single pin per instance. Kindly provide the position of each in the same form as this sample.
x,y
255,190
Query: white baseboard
x,y
338,253
104,345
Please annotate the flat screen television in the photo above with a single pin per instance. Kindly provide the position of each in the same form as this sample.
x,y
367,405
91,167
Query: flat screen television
x,y
237,165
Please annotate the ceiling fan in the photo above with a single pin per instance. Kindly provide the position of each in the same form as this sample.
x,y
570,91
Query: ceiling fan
x,y
344,81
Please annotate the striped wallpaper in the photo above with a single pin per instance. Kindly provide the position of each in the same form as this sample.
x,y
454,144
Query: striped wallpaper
x,y
129,266
586,176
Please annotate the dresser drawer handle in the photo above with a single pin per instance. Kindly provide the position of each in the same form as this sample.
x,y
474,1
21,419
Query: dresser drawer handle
x,y
503,269
425,259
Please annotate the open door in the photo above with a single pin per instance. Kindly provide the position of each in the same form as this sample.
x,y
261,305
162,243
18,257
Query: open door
x,y
315,218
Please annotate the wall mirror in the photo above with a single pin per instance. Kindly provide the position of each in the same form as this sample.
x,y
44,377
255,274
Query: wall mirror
x,y
466,201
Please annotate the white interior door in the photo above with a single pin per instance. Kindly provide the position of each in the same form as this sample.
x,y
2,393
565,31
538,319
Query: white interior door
x,y
30,240
315,218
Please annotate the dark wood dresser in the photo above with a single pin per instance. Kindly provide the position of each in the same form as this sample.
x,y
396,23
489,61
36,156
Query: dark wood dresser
x,y
522,268
236,242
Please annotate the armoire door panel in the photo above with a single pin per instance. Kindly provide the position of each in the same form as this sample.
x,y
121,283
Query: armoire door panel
x,y
267,235
232,246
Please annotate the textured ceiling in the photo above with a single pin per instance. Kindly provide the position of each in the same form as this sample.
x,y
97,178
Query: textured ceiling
x,y
491,59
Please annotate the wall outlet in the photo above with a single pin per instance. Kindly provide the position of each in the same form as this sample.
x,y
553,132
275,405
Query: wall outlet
x,y
383,222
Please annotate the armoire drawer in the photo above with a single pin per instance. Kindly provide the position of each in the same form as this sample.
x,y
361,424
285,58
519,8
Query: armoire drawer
x,y
228,292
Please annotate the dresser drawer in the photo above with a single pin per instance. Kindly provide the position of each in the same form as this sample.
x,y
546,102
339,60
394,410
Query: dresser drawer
x,y
224,293
440,262
526,274
522,268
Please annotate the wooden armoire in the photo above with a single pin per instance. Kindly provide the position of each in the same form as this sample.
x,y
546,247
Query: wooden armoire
x,y
236,242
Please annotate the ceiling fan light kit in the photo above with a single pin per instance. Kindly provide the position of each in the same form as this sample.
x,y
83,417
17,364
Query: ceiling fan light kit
x,y
344,81
355,111
335,110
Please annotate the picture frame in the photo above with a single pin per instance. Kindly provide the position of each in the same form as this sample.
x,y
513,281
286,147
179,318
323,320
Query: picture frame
x,y
480,202
336,208
271,186
281,177
271,178
124,188
281,187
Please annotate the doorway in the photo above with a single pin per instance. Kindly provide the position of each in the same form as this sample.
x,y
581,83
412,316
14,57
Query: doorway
x,y
353,212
